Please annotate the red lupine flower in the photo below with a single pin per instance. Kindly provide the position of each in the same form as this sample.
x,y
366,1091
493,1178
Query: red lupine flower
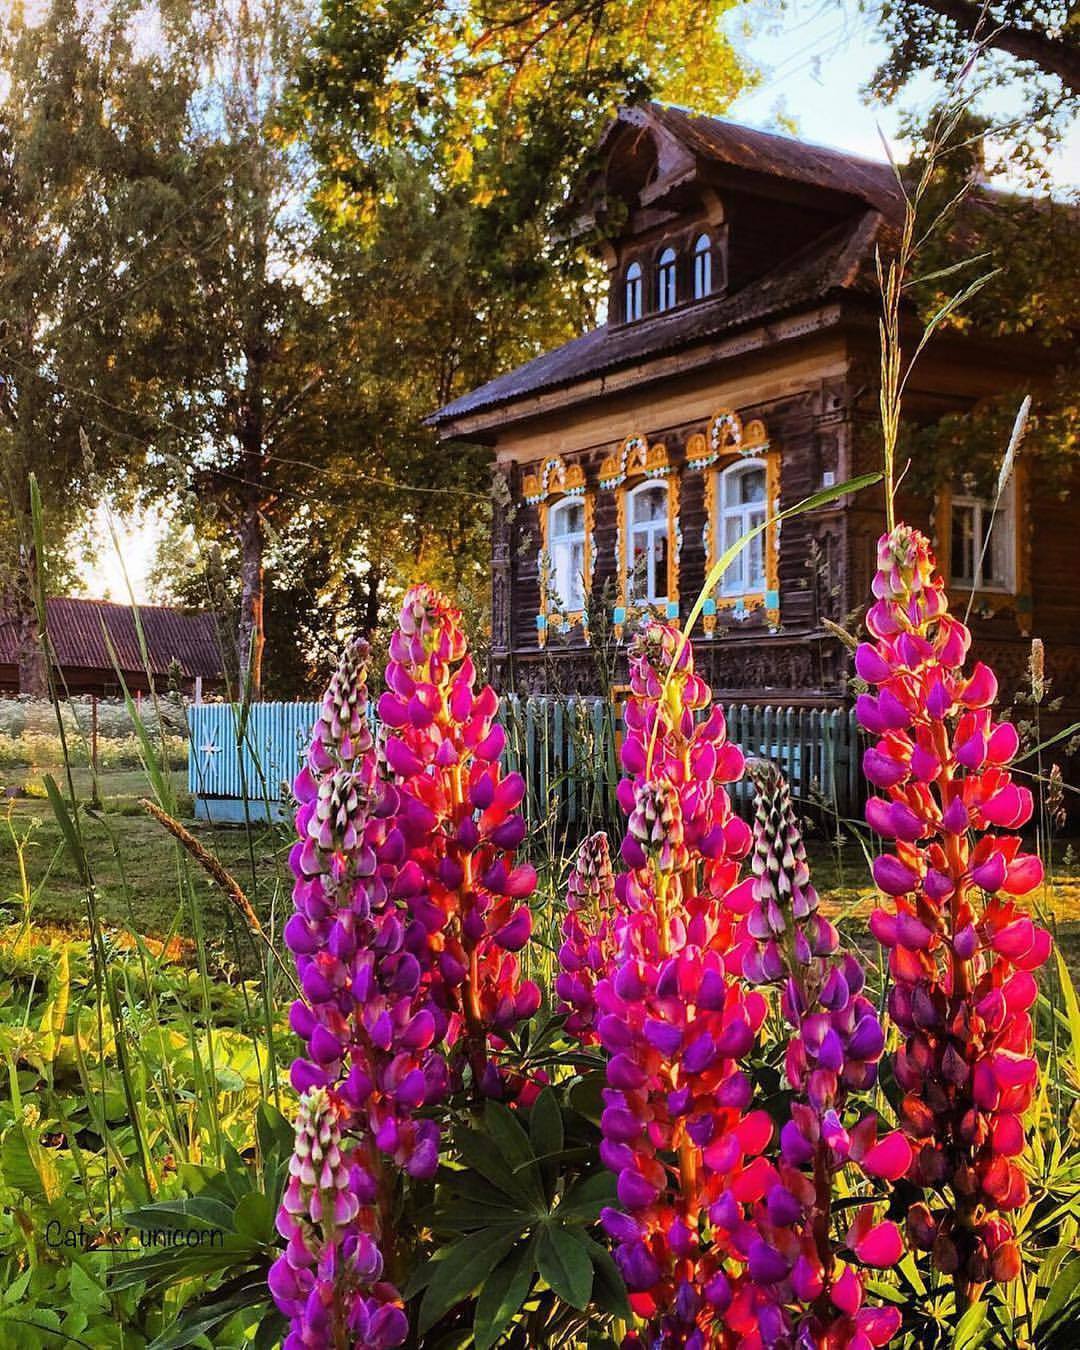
x,y
960,949
459,828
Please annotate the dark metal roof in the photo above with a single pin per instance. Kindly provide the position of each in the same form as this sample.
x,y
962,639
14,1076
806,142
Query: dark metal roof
x,y
838,262
724,142
77,630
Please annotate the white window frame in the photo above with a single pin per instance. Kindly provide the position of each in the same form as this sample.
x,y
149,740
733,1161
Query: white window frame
x,y
633,286
560,554
650,529
667,279
736,582
1003,519
702,267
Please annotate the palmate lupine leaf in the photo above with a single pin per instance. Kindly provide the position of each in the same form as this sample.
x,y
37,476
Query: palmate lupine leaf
x,y
516,1237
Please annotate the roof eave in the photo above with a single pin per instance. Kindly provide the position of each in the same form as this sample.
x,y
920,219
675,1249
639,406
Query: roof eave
x,y
485,423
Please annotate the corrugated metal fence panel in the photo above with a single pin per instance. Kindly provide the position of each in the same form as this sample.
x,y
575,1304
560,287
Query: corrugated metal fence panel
x,y
566,750
227,758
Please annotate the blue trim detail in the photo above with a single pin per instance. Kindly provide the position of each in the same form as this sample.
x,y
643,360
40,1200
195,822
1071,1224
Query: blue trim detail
x,y
772,599
673,609
619,615
541,622
709,607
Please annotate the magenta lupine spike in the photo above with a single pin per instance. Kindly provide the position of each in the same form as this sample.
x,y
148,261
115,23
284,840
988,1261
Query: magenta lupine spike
x,y
797,1289
328,1281
589,935
670,1012
458,830
962,952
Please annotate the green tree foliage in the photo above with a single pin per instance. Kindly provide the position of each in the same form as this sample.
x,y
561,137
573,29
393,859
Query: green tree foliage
x,y
1018,64
447,140
84,172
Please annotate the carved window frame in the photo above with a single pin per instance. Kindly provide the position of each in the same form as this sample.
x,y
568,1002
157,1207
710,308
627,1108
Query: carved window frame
x,y
634,463
556,482
728,442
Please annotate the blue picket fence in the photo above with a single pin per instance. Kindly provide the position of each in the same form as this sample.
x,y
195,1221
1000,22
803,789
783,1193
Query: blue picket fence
x,y
567,749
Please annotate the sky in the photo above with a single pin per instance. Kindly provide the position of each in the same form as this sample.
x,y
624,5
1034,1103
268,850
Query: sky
x,y
815,58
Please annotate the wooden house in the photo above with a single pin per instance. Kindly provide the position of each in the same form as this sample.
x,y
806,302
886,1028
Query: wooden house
x,y
737,374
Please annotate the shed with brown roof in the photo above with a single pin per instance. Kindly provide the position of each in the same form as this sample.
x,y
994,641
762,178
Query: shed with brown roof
x,y
97,642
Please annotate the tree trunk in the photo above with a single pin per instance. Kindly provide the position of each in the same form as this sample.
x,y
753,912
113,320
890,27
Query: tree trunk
x,y
252,594
29,640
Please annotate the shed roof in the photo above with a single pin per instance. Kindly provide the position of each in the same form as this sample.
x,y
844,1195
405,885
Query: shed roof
x,y
78,628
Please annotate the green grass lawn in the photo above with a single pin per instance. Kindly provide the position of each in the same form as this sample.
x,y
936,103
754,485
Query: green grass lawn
x,y
137,866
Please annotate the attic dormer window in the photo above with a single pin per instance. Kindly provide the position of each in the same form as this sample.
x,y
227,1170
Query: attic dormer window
x,y
665,280
632,293
702,267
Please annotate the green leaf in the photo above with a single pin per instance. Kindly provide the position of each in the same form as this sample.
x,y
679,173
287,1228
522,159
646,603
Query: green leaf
x,y
476,1151
503,1294
609,1291
1072,1006
547,1137
86,1292
1062,1293
564,1262
586,1096
67,828
254,1217
184,1214
462,1270
586,1198
971,1330
507,1134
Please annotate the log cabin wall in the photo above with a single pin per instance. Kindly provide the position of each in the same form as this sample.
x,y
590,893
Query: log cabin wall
x,y
745,658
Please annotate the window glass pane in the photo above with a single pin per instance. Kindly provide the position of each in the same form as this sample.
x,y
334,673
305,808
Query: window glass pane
x,y
995,569
567,519
755,553
702,267
733,577
573,593
752,486
963,543
651,504
658,565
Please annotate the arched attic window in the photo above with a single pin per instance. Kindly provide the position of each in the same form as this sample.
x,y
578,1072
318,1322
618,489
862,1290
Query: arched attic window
x,y
702,267
666,286
632,297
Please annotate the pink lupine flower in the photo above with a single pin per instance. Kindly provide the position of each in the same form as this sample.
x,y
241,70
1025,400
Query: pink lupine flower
x,y
663,999
329,1280
960,948
798,1288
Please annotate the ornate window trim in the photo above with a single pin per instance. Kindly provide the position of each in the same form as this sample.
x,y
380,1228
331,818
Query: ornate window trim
x,y
634,462
555,482
726,436
740,607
